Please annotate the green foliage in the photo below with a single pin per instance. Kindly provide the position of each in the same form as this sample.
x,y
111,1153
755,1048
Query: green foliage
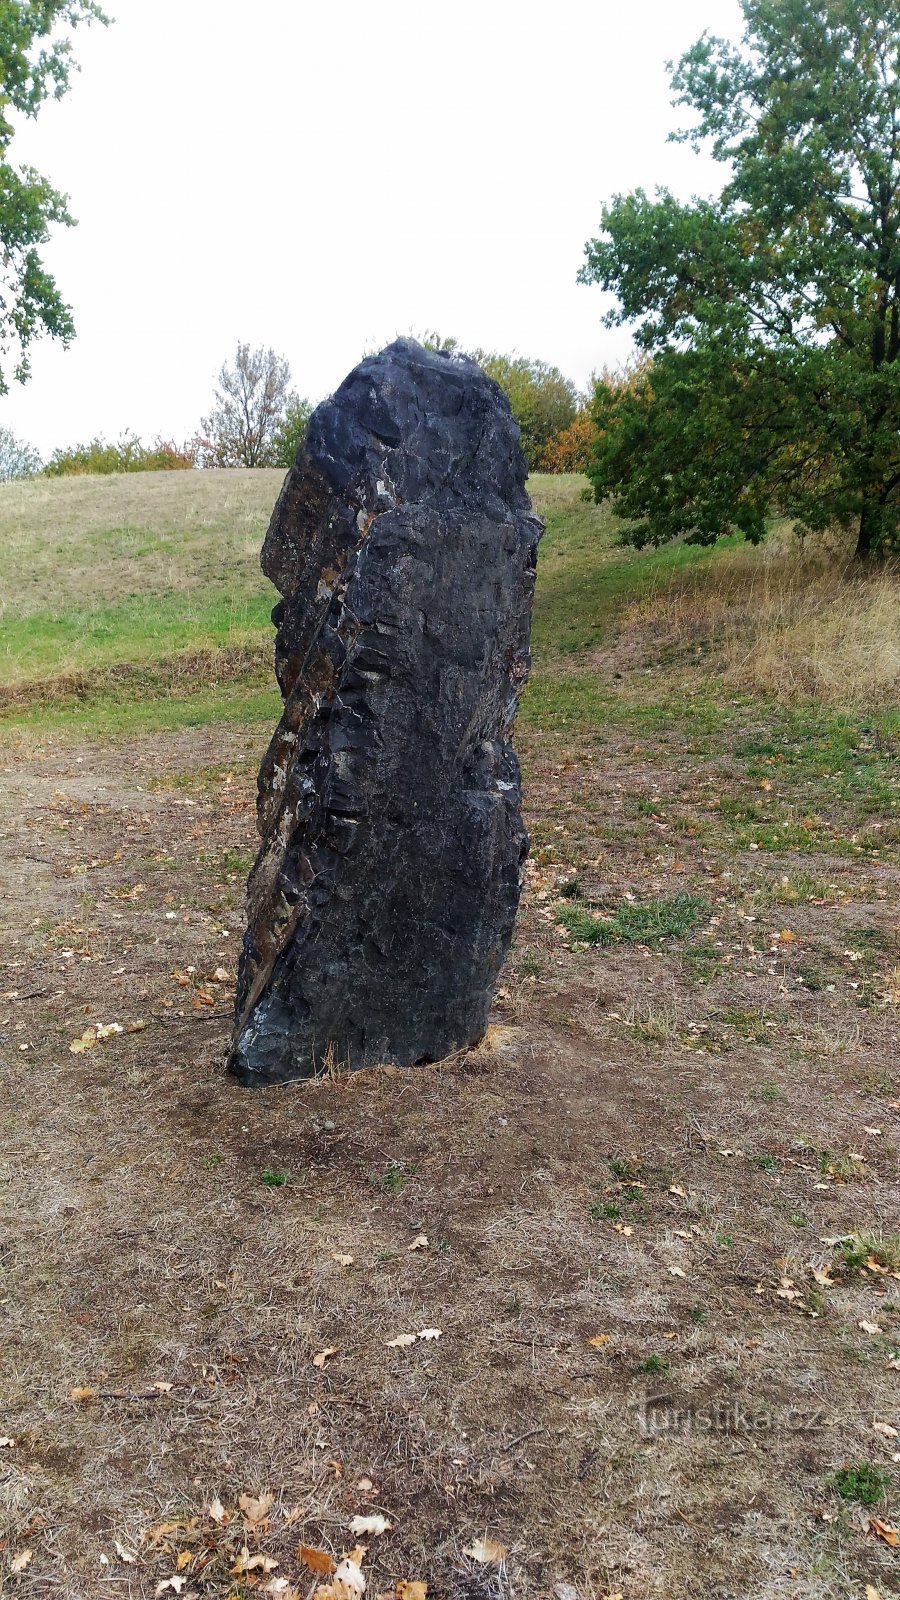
x,y
17,459
772,311
290,432
128,455
34,66
543,402
275,1177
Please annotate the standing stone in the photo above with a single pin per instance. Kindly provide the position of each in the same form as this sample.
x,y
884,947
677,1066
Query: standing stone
x,y
382,901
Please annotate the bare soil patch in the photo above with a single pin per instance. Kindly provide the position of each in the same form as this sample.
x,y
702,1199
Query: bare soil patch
x,y
640,1387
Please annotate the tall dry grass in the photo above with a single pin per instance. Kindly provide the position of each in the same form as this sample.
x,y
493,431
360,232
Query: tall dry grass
x,y
785,619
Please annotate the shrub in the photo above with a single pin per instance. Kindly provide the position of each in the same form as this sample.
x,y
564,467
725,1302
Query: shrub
x,y
128,455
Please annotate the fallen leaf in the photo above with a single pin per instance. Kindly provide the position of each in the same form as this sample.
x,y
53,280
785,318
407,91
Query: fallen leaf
x,y
123,1554
219,976
886,1429
316,1560
487,1550
599,1340
343,1261
869,1327
376,1525
256,1508
217,1512
675,1188
624,1227
430,1333
420,1242
871,1592
20,1562
82,1395
823,1276
163,1388
320,1360
349,1583
883,1530
175,1584
677,1272
6,1443
182,1560
364,1485
401,1341
248,1563
411,1589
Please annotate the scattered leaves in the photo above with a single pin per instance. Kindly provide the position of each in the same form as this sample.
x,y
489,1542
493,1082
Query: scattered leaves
x,y
256,1508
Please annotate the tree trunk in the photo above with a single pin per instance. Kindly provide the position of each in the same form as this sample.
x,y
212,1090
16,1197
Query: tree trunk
x,y
869,529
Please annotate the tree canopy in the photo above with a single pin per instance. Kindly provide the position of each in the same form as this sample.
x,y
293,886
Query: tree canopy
x,y
772,312
35,65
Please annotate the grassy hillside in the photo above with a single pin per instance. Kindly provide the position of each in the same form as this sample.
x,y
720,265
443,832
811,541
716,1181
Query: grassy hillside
x,y
137,601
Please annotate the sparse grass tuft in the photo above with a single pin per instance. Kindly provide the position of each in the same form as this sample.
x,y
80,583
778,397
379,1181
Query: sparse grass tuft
x,y
865,1483
639,922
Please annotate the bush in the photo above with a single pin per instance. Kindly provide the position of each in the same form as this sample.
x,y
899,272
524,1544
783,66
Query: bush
x,y
17,459
571,449
129,455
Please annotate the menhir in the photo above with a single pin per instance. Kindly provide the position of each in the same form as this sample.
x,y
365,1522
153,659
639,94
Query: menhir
x,y
381,905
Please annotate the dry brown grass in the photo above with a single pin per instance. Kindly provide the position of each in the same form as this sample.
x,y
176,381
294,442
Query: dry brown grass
x,y
787,620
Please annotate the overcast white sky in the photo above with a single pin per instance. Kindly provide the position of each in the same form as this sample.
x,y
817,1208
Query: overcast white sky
x,y
320,174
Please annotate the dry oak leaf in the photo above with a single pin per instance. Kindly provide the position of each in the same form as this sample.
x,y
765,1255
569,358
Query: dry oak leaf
x,y
348,1583
123,1554
677,1272
883,1530
343,1260
487,1550
823,1276
599,1340
869,1327
82,1395
323,1355
401,1341
248,1563
217,1512
411,1589
256,1508
365,1484
6,1443
420,1242
375,1524
886,1429
675,1188
430,1333
21,1561
871,1592
316,1560
175,1584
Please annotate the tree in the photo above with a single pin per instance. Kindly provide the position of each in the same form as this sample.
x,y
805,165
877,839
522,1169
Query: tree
x,y
772,312
31,71
290,432
542,401
251,404
17,459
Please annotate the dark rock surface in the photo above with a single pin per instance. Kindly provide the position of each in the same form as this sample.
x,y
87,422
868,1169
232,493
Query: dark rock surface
x,y
382,901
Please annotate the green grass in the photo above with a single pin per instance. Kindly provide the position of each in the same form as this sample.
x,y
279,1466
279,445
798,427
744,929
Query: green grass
x,y
865,1483
644,922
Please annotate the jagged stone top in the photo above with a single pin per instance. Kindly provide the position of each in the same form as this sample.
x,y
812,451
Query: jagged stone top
x,y
432,421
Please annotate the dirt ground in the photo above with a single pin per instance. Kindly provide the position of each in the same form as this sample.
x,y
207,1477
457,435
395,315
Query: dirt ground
x,y
640,1389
